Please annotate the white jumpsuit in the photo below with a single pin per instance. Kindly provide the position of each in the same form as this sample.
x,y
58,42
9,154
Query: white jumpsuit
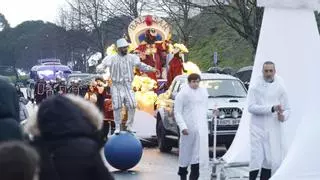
x,y
190,109
121,74
266,135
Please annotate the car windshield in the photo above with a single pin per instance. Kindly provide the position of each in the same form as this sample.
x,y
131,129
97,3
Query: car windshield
x,y
78,77
224,88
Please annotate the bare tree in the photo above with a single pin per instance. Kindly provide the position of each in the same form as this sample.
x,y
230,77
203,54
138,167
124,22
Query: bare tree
x,y
90,15
4,24
180,13
242,15
131,8
65,19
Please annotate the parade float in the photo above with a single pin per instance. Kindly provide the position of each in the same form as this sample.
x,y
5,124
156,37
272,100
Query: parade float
x,y
150,38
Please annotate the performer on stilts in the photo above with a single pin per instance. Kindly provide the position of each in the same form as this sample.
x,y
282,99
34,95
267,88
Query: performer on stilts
x,y
121,73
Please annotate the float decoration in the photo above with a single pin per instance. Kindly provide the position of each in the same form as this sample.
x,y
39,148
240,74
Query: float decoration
x,y
145,95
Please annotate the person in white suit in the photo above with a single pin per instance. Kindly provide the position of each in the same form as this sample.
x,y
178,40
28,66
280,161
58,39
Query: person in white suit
x,y
190,110
268,104
122,73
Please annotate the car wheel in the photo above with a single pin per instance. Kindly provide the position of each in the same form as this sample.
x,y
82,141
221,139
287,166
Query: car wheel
x,y
163,143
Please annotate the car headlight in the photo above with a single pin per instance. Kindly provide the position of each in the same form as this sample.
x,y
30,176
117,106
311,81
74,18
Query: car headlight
x,y
235,114
222,114
209,114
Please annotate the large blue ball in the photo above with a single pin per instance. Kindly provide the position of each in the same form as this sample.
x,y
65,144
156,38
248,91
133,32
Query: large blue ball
x,y
123,151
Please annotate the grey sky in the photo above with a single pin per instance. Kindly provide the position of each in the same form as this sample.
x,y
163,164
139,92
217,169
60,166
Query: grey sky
x,y
17,11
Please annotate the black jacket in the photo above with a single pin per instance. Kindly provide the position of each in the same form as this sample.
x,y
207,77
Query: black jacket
x,y
69,143
9,113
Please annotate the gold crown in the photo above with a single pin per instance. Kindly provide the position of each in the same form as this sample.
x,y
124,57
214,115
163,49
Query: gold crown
x,y
141,24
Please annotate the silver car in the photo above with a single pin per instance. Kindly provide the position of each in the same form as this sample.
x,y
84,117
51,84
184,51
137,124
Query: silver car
x,y
227,94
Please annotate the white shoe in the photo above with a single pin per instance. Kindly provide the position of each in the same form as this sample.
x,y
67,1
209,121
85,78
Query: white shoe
x,y
117,130
130,130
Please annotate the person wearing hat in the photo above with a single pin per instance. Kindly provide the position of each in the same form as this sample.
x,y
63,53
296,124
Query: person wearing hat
x,y
121,73
151,51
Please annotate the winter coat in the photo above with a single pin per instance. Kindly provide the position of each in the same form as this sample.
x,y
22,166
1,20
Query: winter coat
x,y
66,130
9,113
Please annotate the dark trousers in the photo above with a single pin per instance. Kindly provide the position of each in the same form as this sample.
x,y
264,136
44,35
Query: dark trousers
x,y
106,128
265,174
194,175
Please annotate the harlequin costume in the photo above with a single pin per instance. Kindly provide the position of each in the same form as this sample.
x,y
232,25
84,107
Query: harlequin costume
x,y
121,74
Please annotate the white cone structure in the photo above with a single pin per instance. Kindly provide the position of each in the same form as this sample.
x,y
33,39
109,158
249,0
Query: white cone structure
x,y
303,160
290,38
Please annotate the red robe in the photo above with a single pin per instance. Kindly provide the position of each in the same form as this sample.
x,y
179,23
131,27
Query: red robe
x,y
175,69
108,110
152,60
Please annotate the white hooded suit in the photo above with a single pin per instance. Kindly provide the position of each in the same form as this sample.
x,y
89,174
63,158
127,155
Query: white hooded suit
x,y
190,111
267,148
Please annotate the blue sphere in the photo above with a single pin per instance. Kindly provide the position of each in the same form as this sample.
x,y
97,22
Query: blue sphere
x,y
123,151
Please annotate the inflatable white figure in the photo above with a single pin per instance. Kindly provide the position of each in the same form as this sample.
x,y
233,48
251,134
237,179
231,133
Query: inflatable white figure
x,y
290,38
292,4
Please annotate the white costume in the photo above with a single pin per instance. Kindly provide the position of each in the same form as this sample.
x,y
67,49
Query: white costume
x,y
121,74
190,109
290,4
265,128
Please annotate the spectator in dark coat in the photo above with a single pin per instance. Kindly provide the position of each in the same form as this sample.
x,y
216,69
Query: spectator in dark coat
x,y
9,113
66,131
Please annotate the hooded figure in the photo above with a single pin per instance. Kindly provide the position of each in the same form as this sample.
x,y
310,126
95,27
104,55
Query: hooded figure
x,y
66,131
9,113
190,109
268,104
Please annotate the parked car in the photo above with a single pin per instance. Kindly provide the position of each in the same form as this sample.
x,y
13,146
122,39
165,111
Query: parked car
x,y
226,93
77,77
244,74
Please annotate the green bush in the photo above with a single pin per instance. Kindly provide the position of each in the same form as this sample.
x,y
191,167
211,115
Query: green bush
x,y
233,50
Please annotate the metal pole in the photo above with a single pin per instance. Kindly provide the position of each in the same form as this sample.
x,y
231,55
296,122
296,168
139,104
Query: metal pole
x,y
215,138
215,162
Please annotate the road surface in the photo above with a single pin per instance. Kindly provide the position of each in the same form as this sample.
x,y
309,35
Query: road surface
x,y
154,165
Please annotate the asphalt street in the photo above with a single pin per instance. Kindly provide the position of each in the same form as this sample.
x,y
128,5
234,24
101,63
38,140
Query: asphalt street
x,y
154,165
